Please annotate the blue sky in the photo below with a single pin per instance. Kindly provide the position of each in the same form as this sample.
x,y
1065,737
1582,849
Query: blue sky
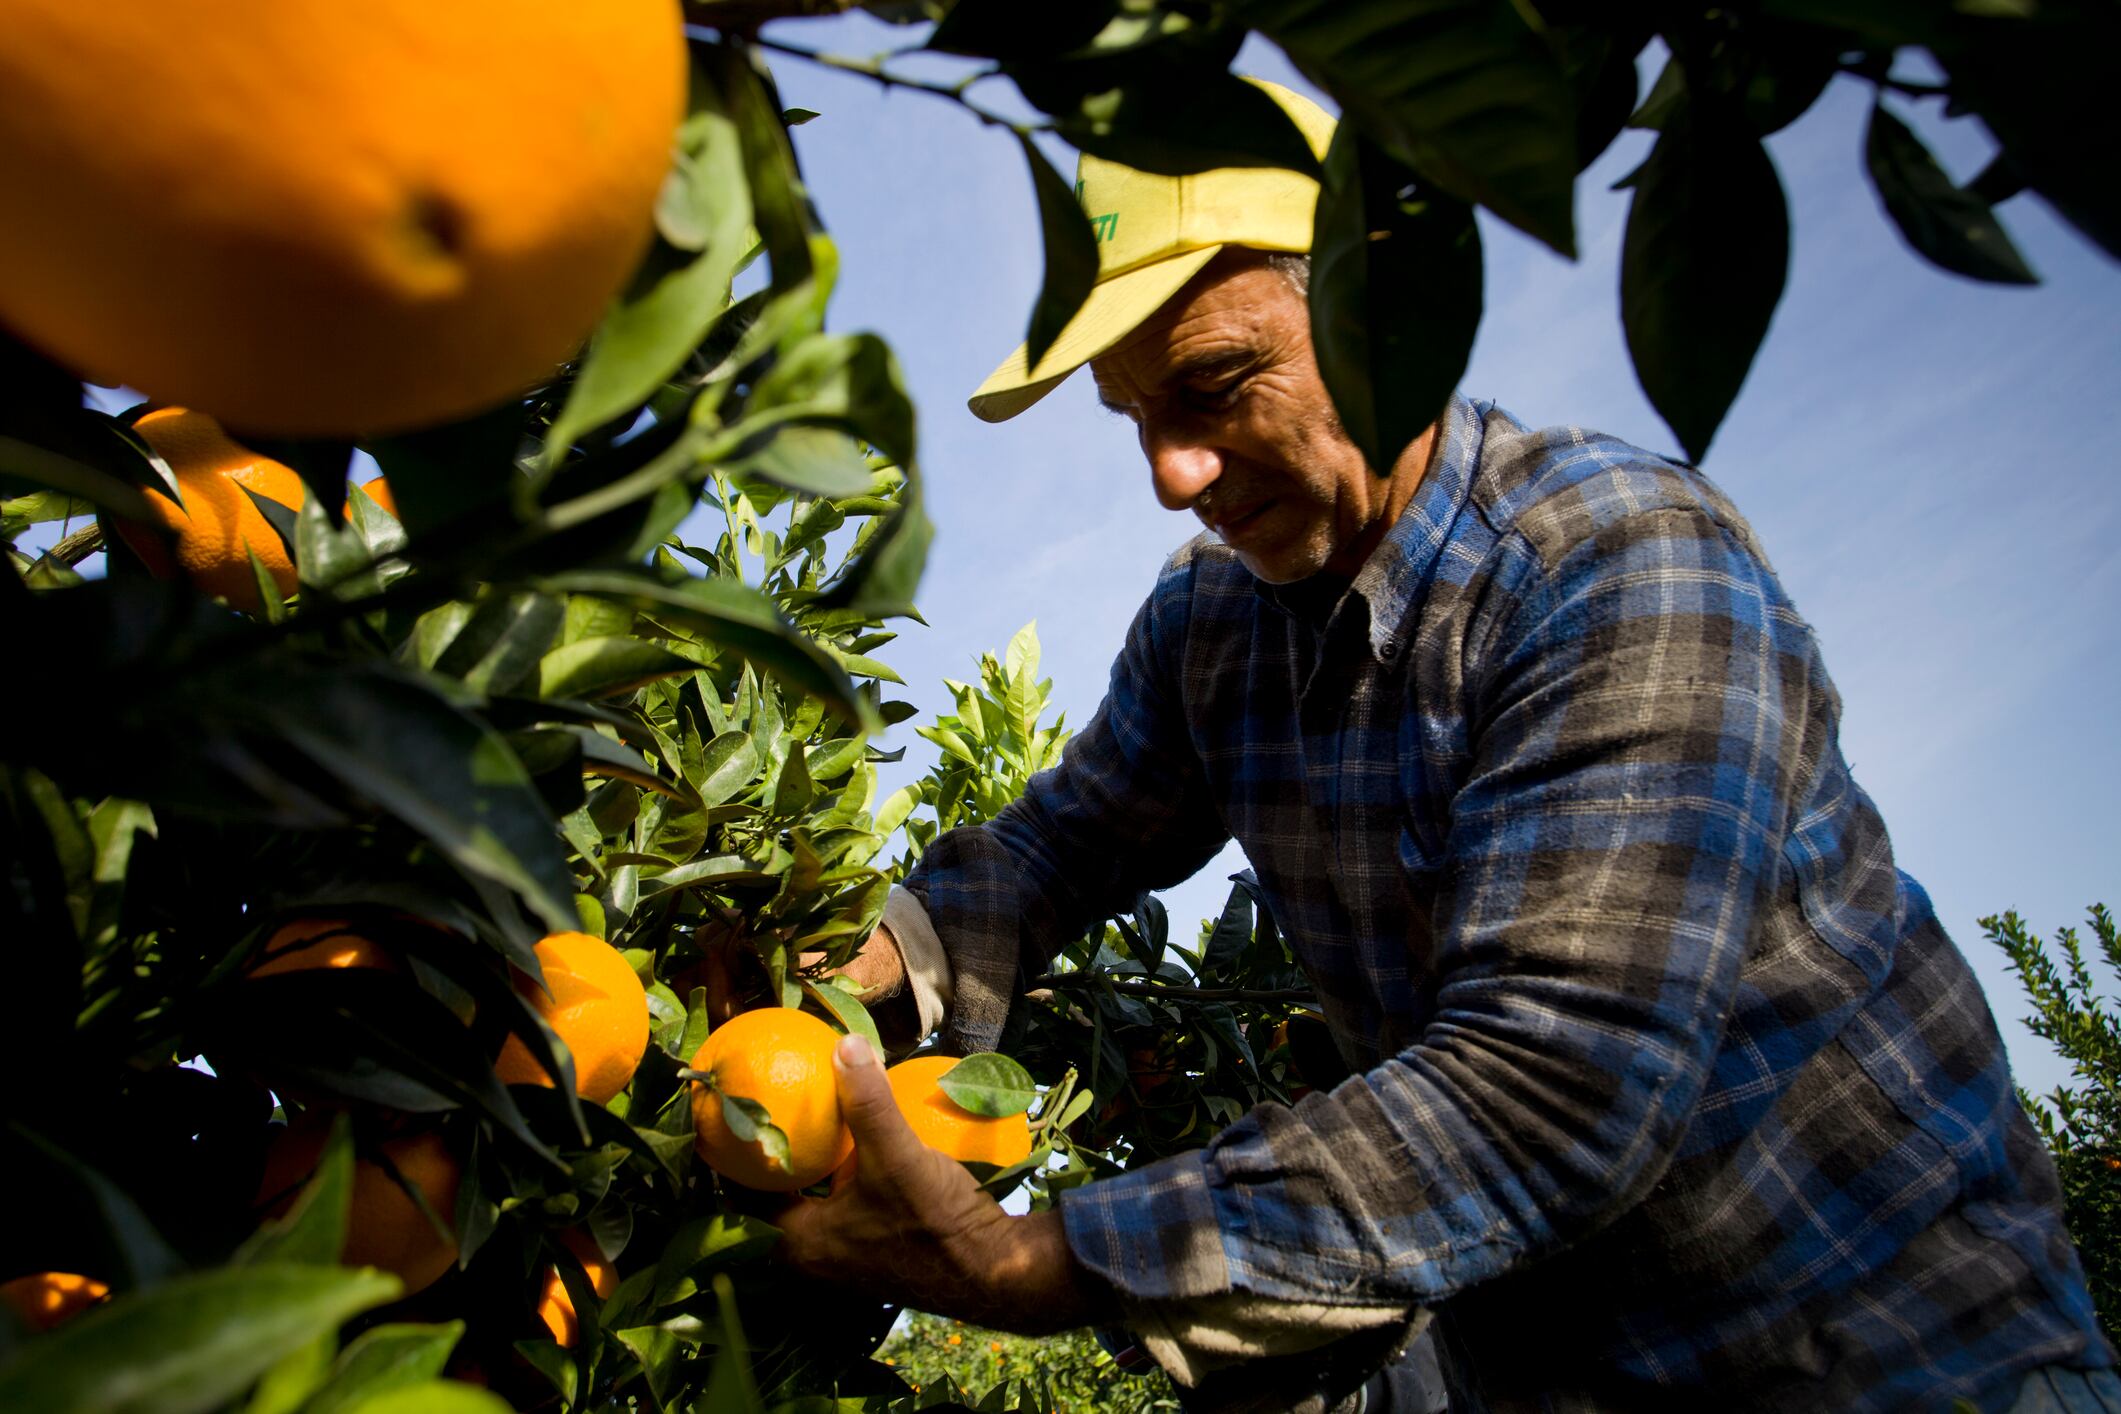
x,y
1928,461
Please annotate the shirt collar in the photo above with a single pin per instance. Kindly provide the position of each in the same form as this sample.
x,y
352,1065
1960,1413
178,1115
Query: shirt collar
x,y
1392,579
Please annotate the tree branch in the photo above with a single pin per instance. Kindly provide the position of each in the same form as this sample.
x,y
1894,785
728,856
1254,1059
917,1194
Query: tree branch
x,y
1173,991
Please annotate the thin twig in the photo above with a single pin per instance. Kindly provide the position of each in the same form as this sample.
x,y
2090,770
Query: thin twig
x,y
77,547
872,69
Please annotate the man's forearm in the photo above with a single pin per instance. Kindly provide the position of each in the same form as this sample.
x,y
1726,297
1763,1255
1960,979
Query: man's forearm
x,y
1038,1287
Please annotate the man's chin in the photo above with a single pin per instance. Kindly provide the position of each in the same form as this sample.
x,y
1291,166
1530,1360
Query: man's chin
x,y
1278,569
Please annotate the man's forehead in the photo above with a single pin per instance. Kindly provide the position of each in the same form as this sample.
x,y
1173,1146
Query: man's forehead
x,y
1203,323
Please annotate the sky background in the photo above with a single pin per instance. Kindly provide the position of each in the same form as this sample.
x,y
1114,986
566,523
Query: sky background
x,y
1929,461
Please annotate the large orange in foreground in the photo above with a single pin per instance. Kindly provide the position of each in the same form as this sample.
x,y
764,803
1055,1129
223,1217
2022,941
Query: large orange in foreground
x,y
781,1058
384,1227
317,218
218,527
596,1004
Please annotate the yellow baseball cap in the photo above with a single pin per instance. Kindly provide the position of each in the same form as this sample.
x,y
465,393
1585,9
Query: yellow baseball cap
x,y
1153,235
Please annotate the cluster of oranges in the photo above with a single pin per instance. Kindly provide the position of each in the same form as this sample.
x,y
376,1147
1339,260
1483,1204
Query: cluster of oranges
x,y
592,1001
782,1059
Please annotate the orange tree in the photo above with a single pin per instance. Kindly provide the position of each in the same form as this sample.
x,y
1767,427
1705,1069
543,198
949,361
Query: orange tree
x,y
505,700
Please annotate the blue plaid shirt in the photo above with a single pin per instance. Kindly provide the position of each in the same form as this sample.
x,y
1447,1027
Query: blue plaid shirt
x,y
1670,1089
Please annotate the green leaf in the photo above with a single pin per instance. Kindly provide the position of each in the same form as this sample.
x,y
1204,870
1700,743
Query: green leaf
x,y
736,617
434,1397
1233,933
383,1359
990,1084
1462,91
1947,225
554,1363
1395,296
704,216
729,1388
145,1259
818,461
949,741
1152,121
703,1245
896,807
727,765
499,647
393,739
660,1354
191,1344
848,381
1071,254
313,1232
852,1016
1702,268
287,1385
881,582
604,667
749,1121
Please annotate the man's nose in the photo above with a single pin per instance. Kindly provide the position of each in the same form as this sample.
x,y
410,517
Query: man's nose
x,y
1180,466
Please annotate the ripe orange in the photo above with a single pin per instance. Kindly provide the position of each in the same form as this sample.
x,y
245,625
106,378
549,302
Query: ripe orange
x,y
43,1300
781,1058
384,1227
596,1005
319,219
217,520
942,1123
310,943
555,1307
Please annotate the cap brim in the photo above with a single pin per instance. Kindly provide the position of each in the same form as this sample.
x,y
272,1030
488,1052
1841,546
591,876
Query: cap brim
x,y
1115,309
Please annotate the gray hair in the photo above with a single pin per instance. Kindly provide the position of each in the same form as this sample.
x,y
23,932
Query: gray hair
x,y
1292,266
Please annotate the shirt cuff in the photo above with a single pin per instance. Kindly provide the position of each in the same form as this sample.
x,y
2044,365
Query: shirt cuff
x,y
1193,1340
928,975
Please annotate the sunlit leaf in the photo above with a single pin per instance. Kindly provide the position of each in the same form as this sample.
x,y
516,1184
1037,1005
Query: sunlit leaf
x,y
990,1084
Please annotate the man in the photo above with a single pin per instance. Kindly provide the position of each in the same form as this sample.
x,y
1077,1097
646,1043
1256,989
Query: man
x,y
1669,1090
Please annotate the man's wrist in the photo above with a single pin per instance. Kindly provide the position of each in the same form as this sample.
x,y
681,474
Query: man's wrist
x,y
1031,1282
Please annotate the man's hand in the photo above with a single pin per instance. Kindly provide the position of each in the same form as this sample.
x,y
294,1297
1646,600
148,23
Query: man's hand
x,y
877,969
913,1228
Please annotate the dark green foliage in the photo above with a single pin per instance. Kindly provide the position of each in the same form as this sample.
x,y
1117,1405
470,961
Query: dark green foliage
x,y
2081,1122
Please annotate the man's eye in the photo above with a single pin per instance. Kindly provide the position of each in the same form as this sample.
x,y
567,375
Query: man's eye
x,y
1220,398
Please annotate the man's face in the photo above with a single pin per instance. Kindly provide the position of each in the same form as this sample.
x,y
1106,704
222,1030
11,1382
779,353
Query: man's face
x,y
1222,387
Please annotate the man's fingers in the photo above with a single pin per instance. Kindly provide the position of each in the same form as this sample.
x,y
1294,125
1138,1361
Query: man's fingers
x,y
867,1104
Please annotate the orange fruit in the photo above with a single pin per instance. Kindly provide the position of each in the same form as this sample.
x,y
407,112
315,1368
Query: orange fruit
x,y
217,527
555,1307
43,1300
319,219
384,1227
595,1004
942,1123
309,943
781,1058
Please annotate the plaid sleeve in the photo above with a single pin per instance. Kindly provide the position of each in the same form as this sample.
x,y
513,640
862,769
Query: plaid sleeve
x,y
1629,782
1125,810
